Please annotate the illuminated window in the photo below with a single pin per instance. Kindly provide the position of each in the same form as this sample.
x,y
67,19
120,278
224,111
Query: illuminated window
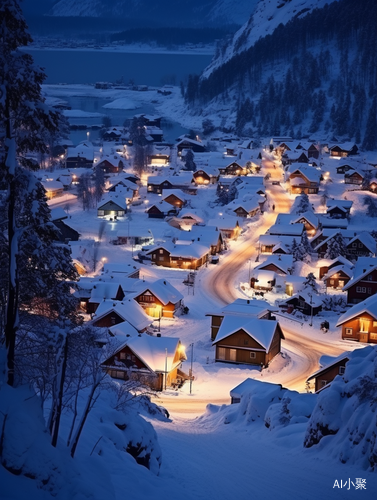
x,y
221,352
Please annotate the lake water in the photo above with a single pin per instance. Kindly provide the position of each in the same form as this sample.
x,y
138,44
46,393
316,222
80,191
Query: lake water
x,y
76,66
88,67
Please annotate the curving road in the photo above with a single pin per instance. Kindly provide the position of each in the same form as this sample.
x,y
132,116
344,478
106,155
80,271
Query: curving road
x,y
221,285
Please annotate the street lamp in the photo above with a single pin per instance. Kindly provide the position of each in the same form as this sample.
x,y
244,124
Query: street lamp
x,y
192,359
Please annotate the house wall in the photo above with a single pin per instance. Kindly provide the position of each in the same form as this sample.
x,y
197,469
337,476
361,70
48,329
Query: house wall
x,y
333,282
328,376
161,257
238,348
362,289
155,213
215,325
358,249
201,177
173,200
111,319
167,310
354,329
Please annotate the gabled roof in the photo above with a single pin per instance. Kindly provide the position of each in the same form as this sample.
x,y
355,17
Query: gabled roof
x,y
329,223
187,251
176,192
248,205
344,204
282,262
357,278
162,289
337,269
339,359
263,277
127,309
157,353
329,262
287,229
103,290
245,308
366,239
162,206
308,297
225,222
261,330
206,235
309,216
367,306
117,199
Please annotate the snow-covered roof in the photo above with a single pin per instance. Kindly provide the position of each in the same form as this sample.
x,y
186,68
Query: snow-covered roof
x,y
58,214
261,330
123,268
358,277
329,223
225,222
246,308
250,384
343,357
52,185
287,229
206,235
248,205
84,150
187,251
162,289
163,206
308,297
114,198
311,173
309,216
367,306
337,269
344,204
123,330
193,214
127,309
157,353
176,192
103,290
329,262
366,239
282,262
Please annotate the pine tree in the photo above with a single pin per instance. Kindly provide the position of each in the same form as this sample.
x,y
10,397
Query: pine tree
x,y
189,161
24,120
336,247
370,137
311,282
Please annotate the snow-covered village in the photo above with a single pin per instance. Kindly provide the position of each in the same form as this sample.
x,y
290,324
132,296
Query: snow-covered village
x,y
188,268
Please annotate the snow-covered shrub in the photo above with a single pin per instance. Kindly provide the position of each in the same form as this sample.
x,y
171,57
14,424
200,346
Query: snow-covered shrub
x,y
346,412
334,303
294,408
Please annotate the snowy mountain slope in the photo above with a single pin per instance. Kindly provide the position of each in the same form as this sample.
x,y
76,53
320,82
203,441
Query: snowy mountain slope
x,y
268,15
219,12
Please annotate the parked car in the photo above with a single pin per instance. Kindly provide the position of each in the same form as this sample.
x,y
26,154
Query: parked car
x,y
215,259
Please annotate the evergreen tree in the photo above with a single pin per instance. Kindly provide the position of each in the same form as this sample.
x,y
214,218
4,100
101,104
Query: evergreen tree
x,y
24,122
311,282
84,191
189,161
336,247
99,183
370,137
302,204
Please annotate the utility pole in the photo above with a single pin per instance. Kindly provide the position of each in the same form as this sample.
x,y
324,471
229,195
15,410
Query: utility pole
x,y
192,359
166,365
311,309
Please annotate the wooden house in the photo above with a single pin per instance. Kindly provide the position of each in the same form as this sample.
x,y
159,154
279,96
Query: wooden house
x,y
159,298
359,323
53,189
354,177
361,245
249,385
154,132
310,221
161,210
344,167
186,256
338,209
292,230
324,376
176,198
262,280
303,179
337,277
110,165
343,150
229,226
157,183
274,244
152,361
325,265
206,175
250,341
363,283
290,157
187,143
97,291
306,302
247,308
65,232
208,236
234,168
113,312
280,264
160,155
247,208
113,206
80,156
